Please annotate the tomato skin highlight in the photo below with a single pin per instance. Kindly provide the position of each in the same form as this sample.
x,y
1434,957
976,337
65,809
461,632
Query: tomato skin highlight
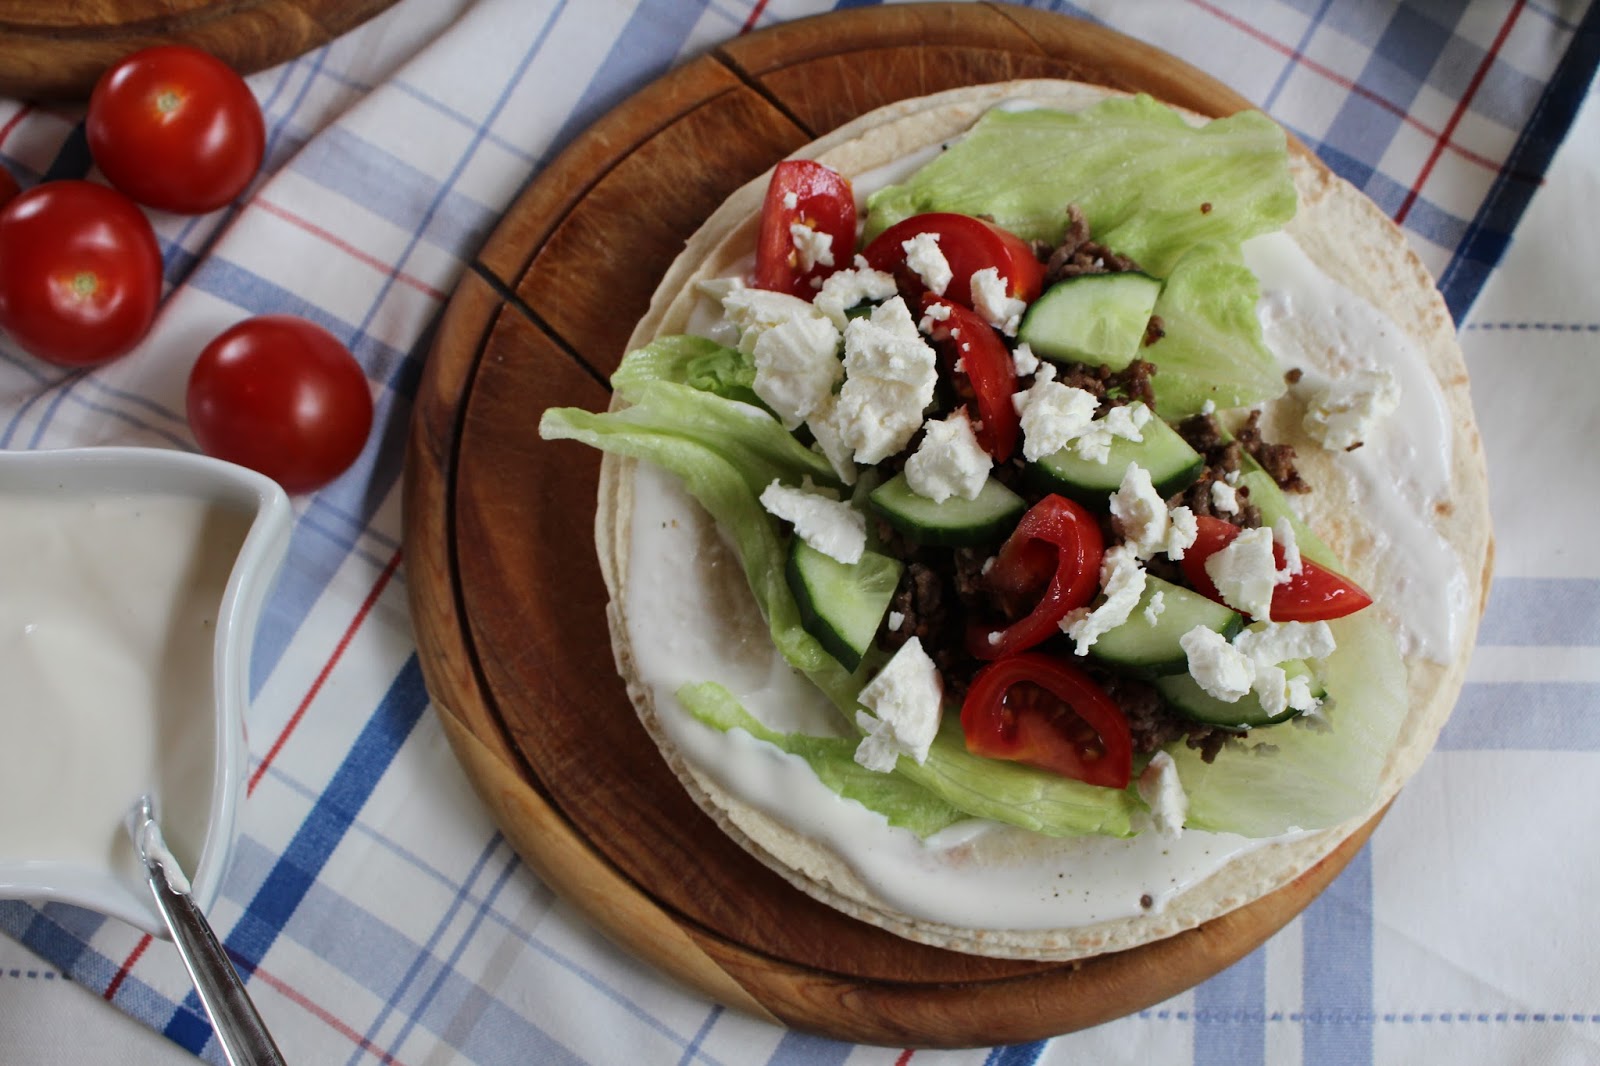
x,y
176,129
1057,547
823,201
1315,594
969,245
1036,709
986,366
80,273
282,396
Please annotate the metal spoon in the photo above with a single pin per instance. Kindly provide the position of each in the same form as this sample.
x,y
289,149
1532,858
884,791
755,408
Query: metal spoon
x,y
244,1038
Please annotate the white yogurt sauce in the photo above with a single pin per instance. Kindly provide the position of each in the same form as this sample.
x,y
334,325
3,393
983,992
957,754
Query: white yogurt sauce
x,y
108,612
1402,470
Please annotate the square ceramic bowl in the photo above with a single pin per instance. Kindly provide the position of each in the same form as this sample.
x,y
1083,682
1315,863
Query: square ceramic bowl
x,y
131,584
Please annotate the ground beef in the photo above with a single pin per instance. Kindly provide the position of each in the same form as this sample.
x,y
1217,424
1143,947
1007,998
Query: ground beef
x,y
1276,459
1152,722
1133,382
1076,253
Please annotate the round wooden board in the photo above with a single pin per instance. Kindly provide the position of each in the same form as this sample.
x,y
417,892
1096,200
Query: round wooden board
x,y
54,51
507,597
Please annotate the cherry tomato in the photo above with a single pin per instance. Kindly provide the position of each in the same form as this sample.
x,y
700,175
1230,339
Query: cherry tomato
x,y
80,272
965,340
282,396
1314,594
1051,561
969,245
809,194
1035,709
175,128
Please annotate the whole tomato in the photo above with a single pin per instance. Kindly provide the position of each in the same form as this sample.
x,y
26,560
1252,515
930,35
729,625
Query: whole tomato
x,y
175,128
80,272
282,396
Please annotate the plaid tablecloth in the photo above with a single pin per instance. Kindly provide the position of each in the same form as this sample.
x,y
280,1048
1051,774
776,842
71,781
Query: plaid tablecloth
x,y
377,912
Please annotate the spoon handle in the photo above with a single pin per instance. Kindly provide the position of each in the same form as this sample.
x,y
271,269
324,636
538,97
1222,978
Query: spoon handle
x,y
244,1038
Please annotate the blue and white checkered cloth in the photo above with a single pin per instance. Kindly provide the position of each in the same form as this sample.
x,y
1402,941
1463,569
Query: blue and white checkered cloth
x,y
376,911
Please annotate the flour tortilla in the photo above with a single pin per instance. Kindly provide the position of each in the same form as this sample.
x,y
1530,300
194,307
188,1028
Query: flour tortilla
x,y
1351,240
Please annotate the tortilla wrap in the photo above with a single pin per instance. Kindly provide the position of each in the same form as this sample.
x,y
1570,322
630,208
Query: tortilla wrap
x,y
1351,240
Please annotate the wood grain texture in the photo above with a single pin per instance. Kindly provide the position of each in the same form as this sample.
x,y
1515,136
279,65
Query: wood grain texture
x,y
507,598
54,51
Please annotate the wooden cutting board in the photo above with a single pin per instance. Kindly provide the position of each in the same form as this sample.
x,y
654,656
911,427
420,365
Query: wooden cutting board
x,y
56,50
507,597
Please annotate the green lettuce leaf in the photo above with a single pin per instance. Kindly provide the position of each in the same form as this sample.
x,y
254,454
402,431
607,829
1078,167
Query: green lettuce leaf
x,y
1150,185
1212,348
1310,779
832,759
693,361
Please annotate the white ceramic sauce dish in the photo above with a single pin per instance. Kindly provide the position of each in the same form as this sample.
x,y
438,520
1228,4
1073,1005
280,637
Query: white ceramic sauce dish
x,y
131,584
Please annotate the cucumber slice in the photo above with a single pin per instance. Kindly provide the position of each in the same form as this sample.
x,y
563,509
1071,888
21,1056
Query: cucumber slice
x,y
841,604
1184,694
955,522
1273,503
1092,318
1173,466
1145,649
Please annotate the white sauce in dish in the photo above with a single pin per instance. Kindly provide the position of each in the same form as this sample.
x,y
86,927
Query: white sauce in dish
x,y
108,613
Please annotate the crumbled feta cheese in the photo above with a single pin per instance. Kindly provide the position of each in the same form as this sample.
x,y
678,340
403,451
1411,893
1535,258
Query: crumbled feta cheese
x,y
797,365
1124,420
905,700
935,314
844,289
1140,512
949,461
832,527
1278,642
1163,793
1245,573
1182,532
1209,407
1146,524
1283,536
927,261
991,298
1122,583
791,200
1340,414
1153,609
1252,663
1052,415
754,311
1224,671
812,247
889,380
1224,498
1023,361
896,620
828,436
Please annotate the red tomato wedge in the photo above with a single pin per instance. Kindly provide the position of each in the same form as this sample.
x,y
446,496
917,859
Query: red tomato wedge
x,y
1315,594
1033,708
966,341
808,194
969,245
1053,558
